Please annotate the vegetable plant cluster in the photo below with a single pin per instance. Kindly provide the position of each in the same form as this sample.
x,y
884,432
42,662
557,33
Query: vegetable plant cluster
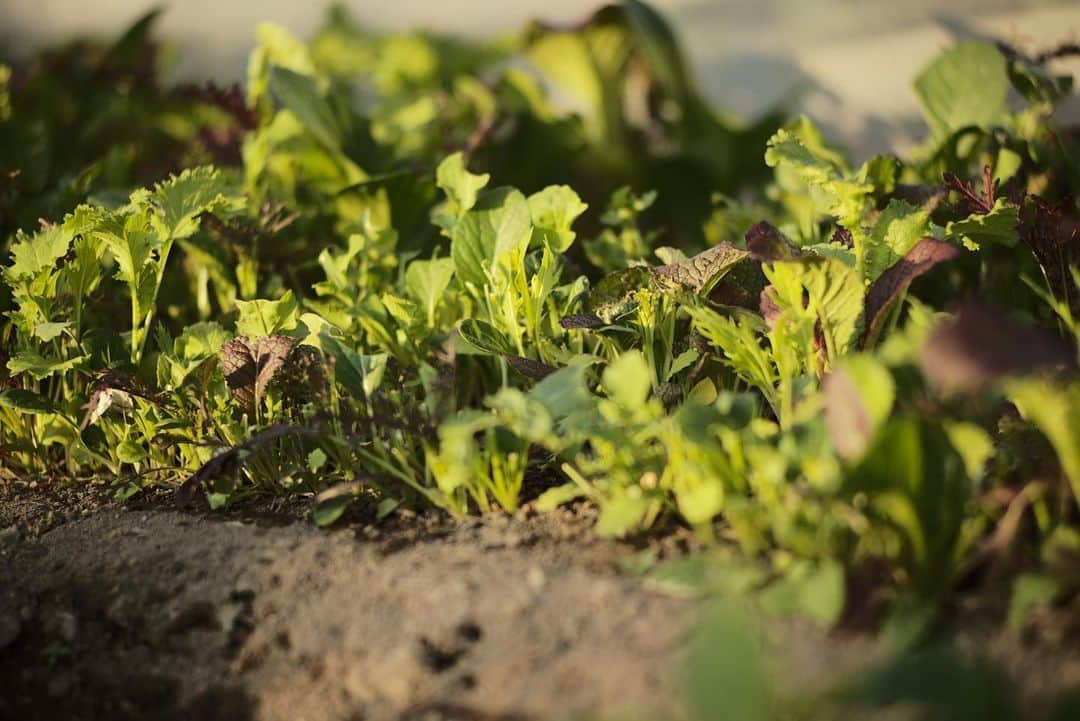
x,y
406,269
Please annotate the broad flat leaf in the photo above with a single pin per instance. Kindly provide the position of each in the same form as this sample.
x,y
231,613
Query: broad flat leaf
x,y
998,227
965,85
250,365
628,380
495,231
890,287
899,227
300,94
360,374
38,367
460,186
485,337
553,211
426,281
48,331
980,346
812,590
767,244
1055,410
199,341
267,317
858,396
621,515
26,401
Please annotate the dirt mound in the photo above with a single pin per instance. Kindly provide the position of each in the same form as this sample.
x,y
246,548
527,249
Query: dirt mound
x,y
162,615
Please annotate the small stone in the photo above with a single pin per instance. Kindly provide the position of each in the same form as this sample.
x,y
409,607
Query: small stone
x,y
536,579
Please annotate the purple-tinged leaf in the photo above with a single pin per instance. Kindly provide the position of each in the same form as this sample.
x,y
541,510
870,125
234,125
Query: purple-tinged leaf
x,y
767,244
981,345
894,282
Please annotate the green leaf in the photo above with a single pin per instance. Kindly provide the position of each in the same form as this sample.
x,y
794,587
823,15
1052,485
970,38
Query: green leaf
x,y
183,197
300,94
32,254
858,396
552,498
899,227
38,367
998,227
485,337
628,380
26,401
333,502
427,281
814,590
260,318
460,186
360,374
50,331
1031,591
492,235
966,85
553,211
621,514
1056,412
131,452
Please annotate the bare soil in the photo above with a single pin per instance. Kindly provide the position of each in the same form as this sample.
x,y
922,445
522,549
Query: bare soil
x,y
143,611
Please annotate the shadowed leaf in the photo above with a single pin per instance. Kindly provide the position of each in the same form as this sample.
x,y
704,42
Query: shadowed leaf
x,y
894,282
250,365
766,243
981,345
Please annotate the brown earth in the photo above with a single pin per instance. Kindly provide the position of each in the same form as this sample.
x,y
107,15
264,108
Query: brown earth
x,y
142,611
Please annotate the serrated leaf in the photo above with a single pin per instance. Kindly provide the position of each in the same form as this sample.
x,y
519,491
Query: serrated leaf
x,y
998,227
704,270
34,253
183,197
250,365
38,367
898,229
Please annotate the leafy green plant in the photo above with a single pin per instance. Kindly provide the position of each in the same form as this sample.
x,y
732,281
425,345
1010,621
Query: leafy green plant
x,y
413,277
